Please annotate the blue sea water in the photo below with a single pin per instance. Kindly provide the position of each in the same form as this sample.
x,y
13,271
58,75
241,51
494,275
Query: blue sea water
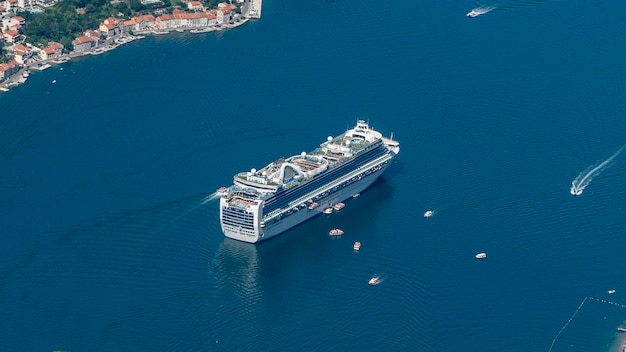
x,y
110,234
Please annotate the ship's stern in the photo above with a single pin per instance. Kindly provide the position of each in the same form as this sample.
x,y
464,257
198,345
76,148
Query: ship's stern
x,y
240,220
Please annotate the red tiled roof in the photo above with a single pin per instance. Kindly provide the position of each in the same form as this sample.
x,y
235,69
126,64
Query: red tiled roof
x,y
110,26
81,40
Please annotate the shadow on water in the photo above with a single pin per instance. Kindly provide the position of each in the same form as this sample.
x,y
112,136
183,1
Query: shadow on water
x,y
246,266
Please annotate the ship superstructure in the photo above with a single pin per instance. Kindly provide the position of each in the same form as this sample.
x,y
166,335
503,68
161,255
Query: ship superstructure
x,y
264,203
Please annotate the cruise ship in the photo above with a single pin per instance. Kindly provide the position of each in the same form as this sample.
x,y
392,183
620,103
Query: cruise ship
x,y
264,203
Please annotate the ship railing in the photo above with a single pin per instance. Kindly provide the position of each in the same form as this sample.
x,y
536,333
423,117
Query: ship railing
x,y
328,187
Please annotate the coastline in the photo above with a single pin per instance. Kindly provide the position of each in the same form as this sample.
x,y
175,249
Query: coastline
x,y
252,11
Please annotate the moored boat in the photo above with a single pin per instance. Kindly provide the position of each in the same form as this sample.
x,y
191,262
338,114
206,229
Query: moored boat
x,y
328,211
222,191
338,206
336,232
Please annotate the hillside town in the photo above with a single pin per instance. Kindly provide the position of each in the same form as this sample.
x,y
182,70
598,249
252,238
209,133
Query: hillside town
x,y
112,32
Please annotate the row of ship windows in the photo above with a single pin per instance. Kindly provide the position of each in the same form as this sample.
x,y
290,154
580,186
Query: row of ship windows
x,y
237,224
238,214
240,230
249,218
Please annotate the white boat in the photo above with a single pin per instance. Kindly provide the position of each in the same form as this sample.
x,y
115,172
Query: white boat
x,y
479,11
222,191
336,232
328,211
357,246
620,329
428,213
338,206
481,255
576,191
610,292
374,281
356,195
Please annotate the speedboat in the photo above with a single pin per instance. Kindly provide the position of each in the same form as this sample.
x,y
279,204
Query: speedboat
x,y
576,191
620,329
328,211
221,191
374,281
481,255
610,292
428,213
480,11
336,232
357,246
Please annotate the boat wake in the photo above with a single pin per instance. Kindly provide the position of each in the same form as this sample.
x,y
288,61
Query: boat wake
x,y
477,11
484,7
584,178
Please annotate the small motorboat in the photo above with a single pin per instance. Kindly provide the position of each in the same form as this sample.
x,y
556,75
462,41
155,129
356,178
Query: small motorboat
x,y
335,232
374,281
610,292
328,211
621,329
338,206
481,255
221,191
312,206
357,246
428,213
356,195
575,191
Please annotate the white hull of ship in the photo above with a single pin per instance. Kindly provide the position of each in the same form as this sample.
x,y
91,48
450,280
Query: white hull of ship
x,y
301,215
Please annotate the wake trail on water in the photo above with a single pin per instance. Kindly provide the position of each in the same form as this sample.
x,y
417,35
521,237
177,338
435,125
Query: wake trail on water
x,y
483,7
584,178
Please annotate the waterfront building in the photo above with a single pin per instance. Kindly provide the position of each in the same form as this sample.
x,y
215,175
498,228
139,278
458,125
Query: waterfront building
x,y
8,69
52,51
82,44
110,27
